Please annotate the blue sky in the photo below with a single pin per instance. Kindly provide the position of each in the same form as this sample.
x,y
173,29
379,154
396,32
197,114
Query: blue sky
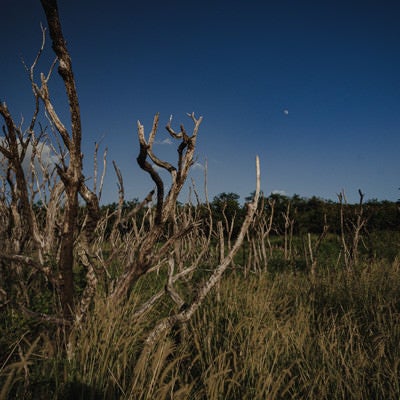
x,y
312,87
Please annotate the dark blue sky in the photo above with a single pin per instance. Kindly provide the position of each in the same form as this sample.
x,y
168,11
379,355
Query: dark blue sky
x,y
312,87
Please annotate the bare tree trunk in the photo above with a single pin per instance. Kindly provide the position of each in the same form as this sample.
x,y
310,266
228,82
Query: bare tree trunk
x,y
71,175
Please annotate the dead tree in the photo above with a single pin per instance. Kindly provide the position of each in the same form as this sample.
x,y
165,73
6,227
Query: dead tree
x,y
142,259
185,313
53,238
71,174
57,238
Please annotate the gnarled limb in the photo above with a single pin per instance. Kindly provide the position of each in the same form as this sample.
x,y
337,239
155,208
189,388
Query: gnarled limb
x,y
149,255
184,315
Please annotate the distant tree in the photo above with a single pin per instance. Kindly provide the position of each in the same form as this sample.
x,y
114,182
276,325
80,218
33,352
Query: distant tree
x,y
311,216
383,215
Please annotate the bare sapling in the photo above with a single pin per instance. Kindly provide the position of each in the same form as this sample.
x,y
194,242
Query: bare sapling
x,y
258,237
228,225
312,248
351,229
288,232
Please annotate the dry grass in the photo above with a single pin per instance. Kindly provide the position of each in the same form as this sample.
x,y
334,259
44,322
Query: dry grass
x,y
286,338
267,337
106,359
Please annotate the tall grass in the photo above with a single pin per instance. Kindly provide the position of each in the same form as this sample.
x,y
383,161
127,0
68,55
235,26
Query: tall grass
x,y
106,358
289,338
280,336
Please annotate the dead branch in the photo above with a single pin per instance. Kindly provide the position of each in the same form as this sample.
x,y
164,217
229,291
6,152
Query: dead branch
x,y
184,315
141,262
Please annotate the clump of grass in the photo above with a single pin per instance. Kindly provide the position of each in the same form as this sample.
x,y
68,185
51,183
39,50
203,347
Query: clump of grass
x,y
106,359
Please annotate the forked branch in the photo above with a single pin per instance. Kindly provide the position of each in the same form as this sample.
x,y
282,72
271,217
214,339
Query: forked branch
x,y
185,314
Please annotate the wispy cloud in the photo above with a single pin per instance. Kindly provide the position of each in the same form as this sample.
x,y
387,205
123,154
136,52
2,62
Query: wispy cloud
x,y
280,192
166,141
43,151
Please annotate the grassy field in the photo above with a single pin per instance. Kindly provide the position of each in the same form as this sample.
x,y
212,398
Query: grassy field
x,y
274,335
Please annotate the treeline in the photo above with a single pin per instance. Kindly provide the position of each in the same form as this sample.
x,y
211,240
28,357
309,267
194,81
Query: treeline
x,y
305,215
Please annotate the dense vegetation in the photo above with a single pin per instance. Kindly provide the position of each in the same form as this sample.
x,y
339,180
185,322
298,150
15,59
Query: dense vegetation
x,y
275,331
308,213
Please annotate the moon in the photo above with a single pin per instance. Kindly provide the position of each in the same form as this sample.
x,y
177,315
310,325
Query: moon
x,y
286,112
